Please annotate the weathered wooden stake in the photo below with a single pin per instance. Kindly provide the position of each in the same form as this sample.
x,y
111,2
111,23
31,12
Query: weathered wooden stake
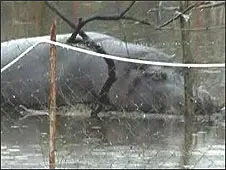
x,y
188,83
52,98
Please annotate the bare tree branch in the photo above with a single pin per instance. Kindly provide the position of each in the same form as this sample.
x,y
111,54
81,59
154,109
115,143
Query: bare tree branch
x,y
207,5
163,9
127,9
179,15
116,17
137,20
82,23
212,5
112,18
193,29
103,95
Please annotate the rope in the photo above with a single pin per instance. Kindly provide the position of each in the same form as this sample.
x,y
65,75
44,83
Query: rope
x,y
111,57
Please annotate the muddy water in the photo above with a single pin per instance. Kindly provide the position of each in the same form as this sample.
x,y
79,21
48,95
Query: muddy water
x,y
112,142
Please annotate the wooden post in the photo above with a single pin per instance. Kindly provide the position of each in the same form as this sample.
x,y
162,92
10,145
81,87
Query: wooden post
x,y
188,84
52,106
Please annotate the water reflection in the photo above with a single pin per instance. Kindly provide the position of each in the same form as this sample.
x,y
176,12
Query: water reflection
x,y
111,143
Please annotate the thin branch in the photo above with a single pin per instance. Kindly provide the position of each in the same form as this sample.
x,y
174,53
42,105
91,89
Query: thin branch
x,y
177,7
179,15
193,29
163,9
127,9
116,17
123,18
137,20
212,5
109,18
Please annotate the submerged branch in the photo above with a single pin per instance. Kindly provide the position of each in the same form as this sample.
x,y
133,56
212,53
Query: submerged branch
x,y
129,115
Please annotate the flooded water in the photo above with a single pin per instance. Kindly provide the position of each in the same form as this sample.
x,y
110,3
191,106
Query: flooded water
x,y
116,141
112,142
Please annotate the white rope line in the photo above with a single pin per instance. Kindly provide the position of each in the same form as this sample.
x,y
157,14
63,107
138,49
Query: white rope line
x,y
110,57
